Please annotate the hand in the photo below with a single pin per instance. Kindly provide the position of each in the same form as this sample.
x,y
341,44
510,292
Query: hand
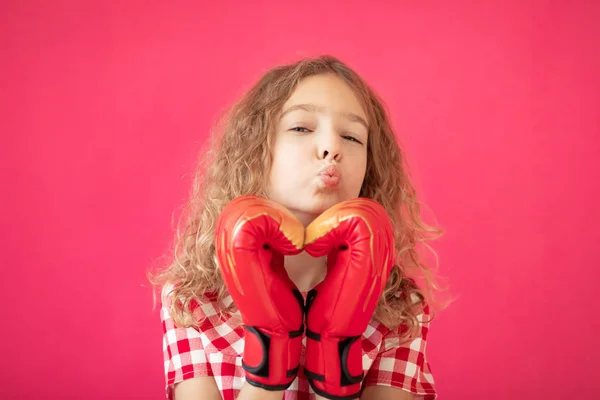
x,y
358,238
252,236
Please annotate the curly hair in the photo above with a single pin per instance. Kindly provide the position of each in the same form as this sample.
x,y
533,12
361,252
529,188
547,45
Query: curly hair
x,y
237,163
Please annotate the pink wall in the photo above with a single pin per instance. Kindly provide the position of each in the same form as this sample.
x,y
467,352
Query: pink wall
x,y
104,107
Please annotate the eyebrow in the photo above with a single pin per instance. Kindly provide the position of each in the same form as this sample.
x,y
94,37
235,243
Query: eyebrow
x,y
318,109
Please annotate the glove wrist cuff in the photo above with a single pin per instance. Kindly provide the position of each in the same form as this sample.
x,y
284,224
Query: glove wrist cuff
x,y
271,360
334,365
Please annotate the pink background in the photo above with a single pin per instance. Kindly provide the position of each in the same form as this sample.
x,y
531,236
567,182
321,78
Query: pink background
x,y
105,106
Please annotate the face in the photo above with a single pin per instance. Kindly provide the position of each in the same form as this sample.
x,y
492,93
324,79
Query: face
x,y
320,147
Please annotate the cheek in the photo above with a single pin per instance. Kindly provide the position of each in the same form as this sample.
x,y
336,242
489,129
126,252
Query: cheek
x,y
286,161
359,162
358,171
291,156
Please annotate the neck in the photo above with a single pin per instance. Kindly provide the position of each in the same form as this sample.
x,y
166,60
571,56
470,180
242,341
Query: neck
x,y
305,271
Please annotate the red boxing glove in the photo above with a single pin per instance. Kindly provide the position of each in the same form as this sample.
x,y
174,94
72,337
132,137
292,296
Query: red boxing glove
x,y
252,236
358,237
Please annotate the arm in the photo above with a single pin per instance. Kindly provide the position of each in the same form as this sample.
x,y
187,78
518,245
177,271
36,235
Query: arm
x,y
250,392
205,388
382,393
385,393
201,387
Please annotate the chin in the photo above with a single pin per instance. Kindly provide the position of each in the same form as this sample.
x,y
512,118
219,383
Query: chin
x,y
322,201
312,203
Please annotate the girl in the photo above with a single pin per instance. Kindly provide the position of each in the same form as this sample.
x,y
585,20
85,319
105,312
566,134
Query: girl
x,y
307,136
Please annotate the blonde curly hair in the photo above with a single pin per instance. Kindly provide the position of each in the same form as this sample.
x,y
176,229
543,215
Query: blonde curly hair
x,y
237,163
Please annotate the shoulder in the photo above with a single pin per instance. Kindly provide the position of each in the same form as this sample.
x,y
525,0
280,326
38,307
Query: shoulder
x,y
198,308
376,330
219,332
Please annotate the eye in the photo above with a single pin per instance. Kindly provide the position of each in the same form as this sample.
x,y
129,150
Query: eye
x,y
300,129
352,138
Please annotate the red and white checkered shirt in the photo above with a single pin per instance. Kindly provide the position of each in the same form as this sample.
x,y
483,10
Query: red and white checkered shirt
x,y
216,348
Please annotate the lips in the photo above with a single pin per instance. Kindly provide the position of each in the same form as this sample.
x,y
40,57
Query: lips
x,y
330,176
331,170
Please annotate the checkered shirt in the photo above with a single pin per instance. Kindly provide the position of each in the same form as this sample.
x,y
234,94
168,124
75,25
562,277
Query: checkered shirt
x,y
216,348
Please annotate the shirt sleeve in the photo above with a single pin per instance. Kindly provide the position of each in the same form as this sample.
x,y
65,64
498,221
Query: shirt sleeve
x,y
403,364
183,352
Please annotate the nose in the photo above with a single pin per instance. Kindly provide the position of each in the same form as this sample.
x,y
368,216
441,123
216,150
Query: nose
x,y
329,145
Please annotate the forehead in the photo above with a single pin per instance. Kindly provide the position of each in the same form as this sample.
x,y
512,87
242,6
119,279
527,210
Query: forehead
x,y
326,92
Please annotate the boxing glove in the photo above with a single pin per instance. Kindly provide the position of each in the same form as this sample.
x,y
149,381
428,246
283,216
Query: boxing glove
x,y
252,236
358,238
